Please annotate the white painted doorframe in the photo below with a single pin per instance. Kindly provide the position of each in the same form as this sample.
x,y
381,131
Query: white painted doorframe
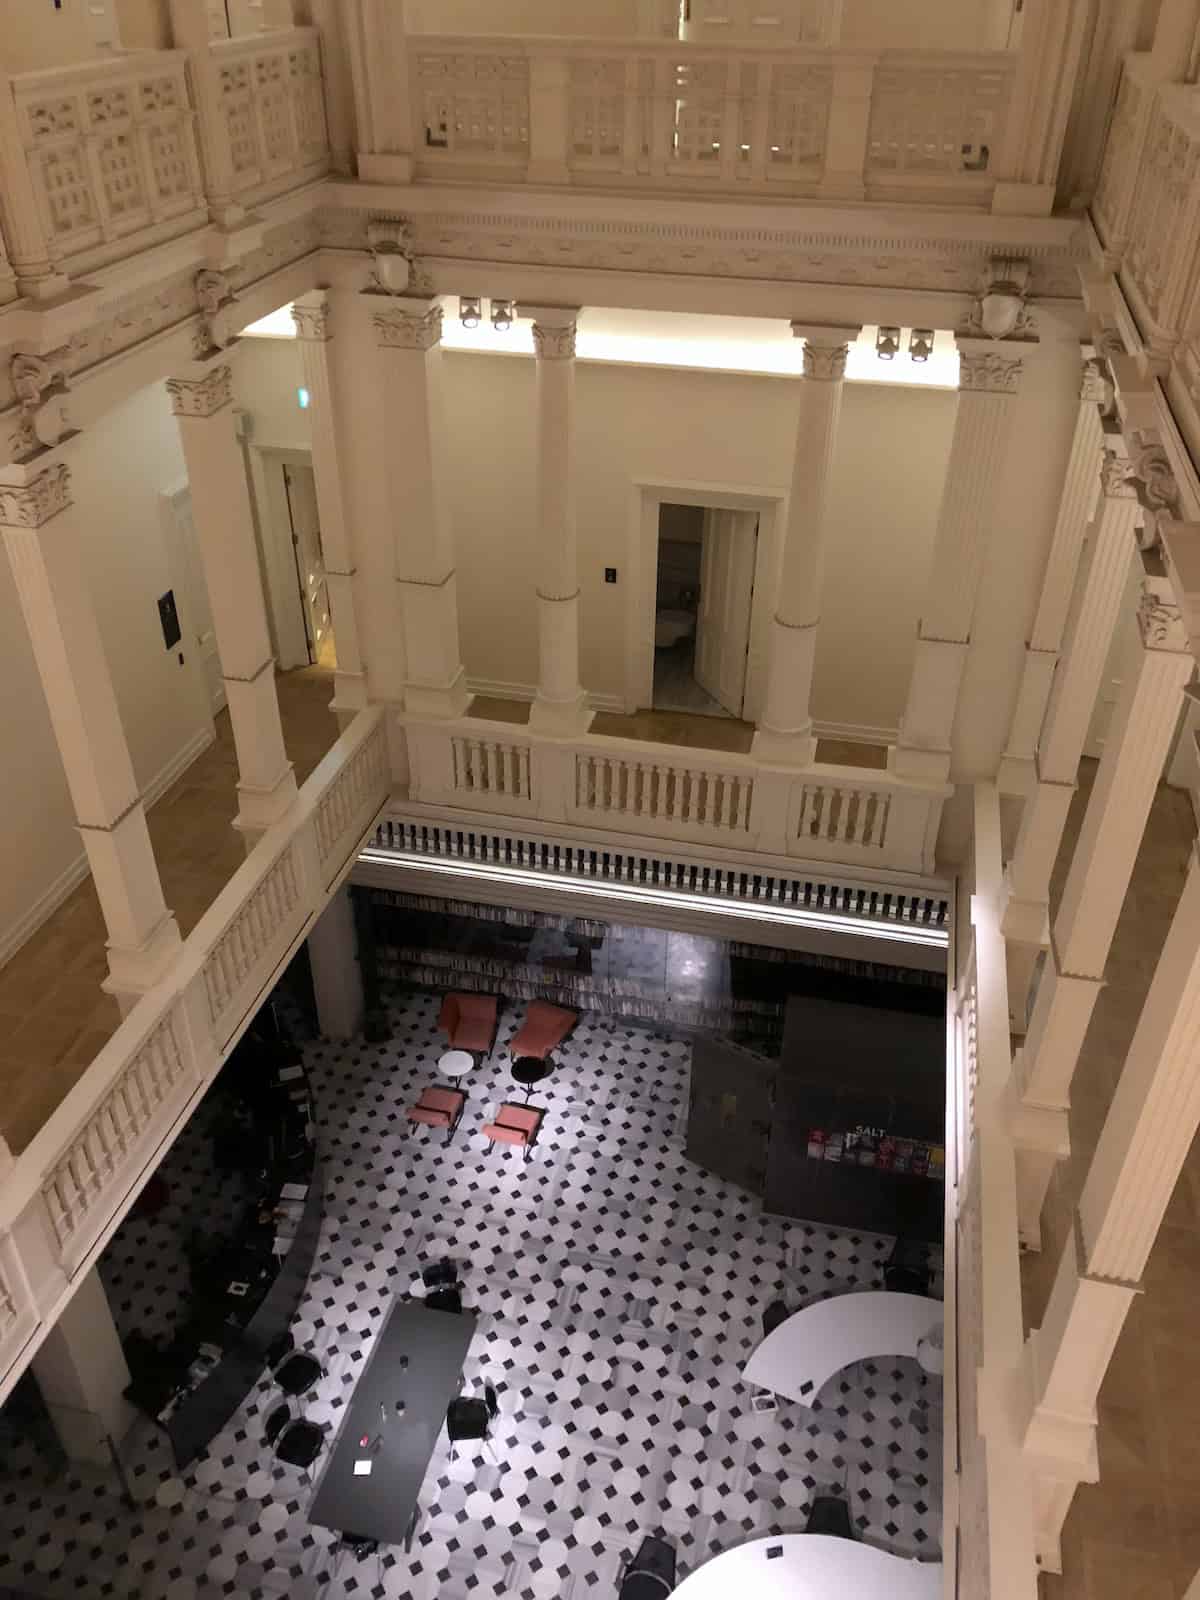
x,y
647,500
285,608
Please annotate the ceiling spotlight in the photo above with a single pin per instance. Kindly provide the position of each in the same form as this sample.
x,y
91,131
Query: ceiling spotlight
x,y
887,343
502,315
920,344
468,310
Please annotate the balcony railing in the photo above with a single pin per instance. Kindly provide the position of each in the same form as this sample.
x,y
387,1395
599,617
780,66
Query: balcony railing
x,y
818,813
71,1185
271,106
709,117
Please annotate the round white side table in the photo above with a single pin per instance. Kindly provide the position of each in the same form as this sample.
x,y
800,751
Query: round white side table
x,y
456,1063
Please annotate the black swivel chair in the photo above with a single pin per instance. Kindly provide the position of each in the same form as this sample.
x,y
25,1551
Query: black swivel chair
x,y
830,1514
651,1573
293,1370
906,1270
775,1313
468,1418
297,1443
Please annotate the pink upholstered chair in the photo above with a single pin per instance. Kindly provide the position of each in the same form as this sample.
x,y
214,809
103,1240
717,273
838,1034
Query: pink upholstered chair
x,y
544,1027
469,1021
519,1125
439,1108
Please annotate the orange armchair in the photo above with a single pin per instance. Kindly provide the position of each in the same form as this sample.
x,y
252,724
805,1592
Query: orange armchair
x,y
544,1027
469,1021
439,1108
519,1125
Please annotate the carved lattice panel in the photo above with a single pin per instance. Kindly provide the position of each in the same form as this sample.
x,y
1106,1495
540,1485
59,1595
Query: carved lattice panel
x,y
700,90
308,101
797,117
169,163
271,98
931,122
597,112
68,190
1165,200
51,119
476,105
1118,168
121,178
239,118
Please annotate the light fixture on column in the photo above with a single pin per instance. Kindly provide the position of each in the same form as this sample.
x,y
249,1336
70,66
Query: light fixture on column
x,y
468,310
920,344
887,343
502,315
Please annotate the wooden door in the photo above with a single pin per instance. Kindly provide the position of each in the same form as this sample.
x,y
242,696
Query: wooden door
x,y
726,593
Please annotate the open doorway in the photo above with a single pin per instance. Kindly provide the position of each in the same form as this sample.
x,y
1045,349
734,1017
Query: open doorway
x,y
289,527
300,490
703,601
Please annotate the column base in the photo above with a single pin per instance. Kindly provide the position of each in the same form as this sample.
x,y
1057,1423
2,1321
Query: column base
x,y
131,972
562,717
258,808
448,700
780,748
922,766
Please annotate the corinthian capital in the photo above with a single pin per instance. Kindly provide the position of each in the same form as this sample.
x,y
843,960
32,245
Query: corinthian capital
x,y
554,342
27,500
312,321
400,329
825,350
201,397
987,371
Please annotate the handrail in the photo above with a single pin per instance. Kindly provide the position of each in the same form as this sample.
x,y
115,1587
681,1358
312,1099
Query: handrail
x,y
539,44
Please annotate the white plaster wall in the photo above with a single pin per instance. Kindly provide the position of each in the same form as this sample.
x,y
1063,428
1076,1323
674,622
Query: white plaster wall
x,y
144,24
595,17
34,35
639,423
119,464
926,24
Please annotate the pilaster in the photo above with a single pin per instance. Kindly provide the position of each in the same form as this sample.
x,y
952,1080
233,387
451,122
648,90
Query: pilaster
x,y
43,533
408,330
785,733
82,1373
1075,512
312,315
203,402
989,378
561,704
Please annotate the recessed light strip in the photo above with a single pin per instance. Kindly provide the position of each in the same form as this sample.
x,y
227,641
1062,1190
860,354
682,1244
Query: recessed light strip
x,y
825,921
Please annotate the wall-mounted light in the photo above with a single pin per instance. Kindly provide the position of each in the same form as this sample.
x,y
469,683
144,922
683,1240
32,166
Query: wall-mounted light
x,y
302,398
468,310
887,343
502,315
920,344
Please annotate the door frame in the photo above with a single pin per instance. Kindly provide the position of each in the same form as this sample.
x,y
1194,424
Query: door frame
x,y
285,607
187,571
646,499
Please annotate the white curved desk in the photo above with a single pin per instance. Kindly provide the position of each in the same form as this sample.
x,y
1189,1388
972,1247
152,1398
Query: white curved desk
x,y
804,1352
811,1566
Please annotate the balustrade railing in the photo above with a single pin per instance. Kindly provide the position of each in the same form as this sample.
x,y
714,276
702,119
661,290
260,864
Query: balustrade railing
x,y
843,814
111,152
86,1164
724,117
271,102
652,791
491,767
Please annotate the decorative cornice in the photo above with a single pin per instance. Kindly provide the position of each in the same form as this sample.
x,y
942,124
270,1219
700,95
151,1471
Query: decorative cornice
x,y
201,397
825,362
29,505
554,341
397,329
312,322
988,372
1159,619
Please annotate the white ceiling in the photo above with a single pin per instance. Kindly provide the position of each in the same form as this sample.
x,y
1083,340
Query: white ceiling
x,y
756,345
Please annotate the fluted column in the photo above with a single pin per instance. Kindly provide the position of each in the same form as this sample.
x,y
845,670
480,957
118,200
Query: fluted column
x,y
312,316
1064,730
1135,750
561,703
1147,1134
44,533
1075,511
785,731
989,377
408,331
203,402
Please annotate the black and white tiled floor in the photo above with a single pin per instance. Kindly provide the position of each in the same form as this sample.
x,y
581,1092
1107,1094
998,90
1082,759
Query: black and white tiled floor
x,y
619,1288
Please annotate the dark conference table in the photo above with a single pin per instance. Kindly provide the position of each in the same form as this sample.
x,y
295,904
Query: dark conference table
x,y
381,1505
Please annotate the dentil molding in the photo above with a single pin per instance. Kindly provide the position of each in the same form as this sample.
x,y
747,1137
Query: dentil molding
x,y
201,397
30,504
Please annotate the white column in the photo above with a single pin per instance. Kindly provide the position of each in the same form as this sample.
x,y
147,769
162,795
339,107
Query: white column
x,y
408,329
1075,512
785,732
1143,726
203,402
1064,730
44,533
336,974
989,376
561,704
81,1371
1145,1140
312,316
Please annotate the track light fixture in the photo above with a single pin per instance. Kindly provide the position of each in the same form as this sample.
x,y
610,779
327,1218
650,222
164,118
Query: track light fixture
x,y
502,315
920,344
887,343
468,310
